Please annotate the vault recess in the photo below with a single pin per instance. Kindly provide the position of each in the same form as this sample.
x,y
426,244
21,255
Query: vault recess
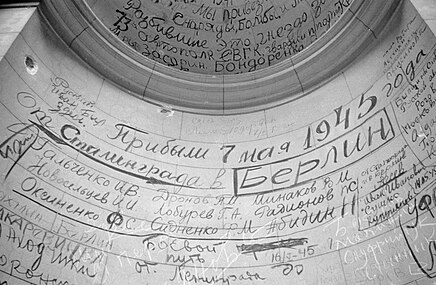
x,y
218,56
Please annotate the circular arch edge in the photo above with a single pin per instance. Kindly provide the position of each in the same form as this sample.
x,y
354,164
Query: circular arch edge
x,y
86,35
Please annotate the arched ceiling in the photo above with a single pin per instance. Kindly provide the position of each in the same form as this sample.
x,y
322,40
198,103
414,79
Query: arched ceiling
x,y
219,36
219,56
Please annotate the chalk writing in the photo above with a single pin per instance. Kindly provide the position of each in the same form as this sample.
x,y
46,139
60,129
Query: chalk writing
x,y
92,194
222,36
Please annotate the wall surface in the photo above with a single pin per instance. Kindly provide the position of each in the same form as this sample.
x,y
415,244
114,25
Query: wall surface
x,y
337,187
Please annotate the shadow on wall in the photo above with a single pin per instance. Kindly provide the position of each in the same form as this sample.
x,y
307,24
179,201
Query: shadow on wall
x,y
13,4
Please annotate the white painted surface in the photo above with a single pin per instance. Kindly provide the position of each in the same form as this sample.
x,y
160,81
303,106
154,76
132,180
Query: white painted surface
x,y
71,138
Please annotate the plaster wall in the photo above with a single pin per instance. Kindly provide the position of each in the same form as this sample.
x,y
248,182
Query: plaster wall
x,y
100,187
